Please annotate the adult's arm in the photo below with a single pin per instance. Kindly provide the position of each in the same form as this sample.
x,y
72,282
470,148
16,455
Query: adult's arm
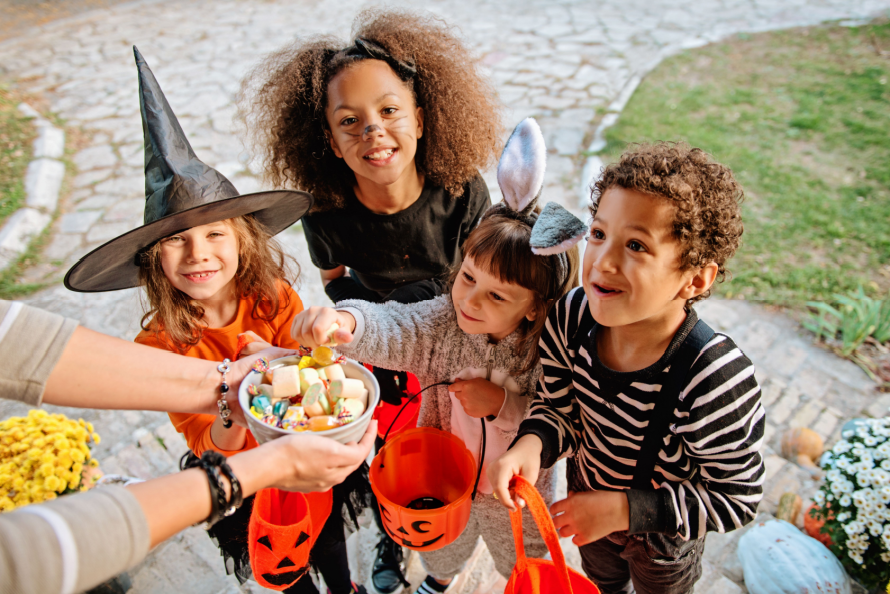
x,y
48,358
81,540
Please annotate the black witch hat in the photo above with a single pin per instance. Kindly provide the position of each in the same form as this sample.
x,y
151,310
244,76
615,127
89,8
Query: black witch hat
x,y
181,192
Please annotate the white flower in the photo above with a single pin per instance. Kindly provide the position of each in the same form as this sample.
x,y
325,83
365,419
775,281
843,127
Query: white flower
x,y
833,475
885,557
845,501
819,498
875,528
843,516
853,528
870,441
842,462
885,464
841,447
846,435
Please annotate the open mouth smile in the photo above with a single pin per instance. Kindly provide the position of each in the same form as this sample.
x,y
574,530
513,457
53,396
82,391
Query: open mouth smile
x,y
381,156
201,277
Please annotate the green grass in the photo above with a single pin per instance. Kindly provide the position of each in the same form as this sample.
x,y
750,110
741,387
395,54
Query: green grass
x,y
16,136
803,119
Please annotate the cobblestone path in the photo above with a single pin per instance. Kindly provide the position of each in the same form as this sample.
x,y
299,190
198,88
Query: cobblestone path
x,y
567,62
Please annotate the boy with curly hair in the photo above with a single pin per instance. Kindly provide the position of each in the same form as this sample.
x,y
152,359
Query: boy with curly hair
x,y
660,417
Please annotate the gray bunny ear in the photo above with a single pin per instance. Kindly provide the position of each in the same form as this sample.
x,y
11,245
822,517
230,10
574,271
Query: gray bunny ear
x,y
556,230
522,164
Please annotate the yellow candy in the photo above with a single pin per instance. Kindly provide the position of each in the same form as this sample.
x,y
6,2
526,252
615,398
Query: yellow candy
x,y
323,356
304,362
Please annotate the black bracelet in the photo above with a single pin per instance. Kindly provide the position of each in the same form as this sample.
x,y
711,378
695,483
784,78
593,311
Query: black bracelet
x,y
236,498
210,463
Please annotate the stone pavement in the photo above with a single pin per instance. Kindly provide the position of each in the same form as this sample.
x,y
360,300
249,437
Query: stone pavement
x,y
570,63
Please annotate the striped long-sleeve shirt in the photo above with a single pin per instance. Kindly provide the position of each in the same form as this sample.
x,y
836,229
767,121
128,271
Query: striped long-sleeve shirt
x,y
709,473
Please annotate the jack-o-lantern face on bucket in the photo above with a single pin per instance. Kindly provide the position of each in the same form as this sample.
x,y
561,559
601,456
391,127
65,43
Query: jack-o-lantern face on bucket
x,y
419,535
283,529
423,479
282,565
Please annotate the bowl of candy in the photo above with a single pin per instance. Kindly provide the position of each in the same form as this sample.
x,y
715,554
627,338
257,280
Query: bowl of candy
x,y
319,393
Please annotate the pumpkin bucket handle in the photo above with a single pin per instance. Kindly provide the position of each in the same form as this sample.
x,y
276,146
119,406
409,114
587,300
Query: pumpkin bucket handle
x,y
481,453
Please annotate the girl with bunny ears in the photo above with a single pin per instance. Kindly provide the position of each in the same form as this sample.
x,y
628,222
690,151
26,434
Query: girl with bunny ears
x,y
481,338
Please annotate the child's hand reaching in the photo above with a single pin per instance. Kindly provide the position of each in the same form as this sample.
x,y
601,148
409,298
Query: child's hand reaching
x,y
312,327
479,397
524,459
591,515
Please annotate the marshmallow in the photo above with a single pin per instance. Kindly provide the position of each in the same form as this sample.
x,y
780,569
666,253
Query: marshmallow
x,y
332,372
349,388
315,401
285,382
308,376
348,409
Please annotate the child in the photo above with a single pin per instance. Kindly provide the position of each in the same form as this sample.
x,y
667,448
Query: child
x,y
661,417
223,275
481,336
389,133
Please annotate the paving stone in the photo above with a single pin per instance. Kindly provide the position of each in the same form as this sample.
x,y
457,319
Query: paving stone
x,y
61,246
805,415
88,178
785,406
102,232
78,222
811,383
95,157
50,143
43,179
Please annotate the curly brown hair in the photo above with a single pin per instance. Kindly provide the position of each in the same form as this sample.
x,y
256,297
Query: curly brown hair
x,y
707,198
500,245
262,265
282,102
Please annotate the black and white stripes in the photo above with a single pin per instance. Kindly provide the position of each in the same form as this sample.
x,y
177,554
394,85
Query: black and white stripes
x,y
709,473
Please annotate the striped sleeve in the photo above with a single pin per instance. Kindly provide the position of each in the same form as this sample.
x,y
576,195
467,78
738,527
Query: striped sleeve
x,y
721,423
555,406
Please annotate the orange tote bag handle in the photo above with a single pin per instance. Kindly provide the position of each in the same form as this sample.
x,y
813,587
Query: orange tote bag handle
x,y
541,515
539,576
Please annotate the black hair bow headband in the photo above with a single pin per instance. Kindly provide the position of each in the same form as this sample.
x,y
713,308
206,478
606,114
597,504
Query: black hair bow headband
x,y
366,48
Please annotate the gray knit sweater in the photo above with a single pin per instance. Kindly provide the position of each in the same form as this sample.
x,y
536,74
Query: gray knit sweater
x,y
425,339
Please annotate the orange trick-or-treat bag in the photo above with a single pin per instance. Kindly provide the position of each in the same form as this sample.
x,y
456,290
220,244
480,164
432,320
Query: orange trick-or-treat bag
x,y
539,576
283,528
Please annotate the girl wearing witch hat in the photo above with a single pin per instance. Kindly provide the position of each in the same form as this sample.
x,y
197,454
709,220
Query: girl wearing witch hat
x,y
211,271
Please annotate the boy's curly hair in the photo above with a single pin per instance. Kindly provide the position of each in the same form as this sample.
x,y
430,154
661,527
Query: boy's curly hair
x,y
706,196
283,100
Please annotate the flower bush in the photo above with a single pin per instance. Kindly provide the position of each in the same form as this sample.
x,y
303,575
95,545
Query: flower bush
x,y
43,456
854,500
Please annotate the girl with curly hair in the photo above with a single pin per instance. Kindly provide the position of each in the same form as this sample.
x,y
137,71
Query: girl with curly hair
x,y
388,132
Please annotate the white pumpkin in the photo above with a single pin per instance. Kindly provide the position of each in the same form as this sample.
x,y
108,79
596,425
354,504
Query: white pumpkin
x,y
777,558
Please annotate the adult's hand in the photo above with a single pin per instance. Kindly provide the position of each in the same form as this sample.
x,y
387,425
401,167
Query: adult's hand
x,y
309,463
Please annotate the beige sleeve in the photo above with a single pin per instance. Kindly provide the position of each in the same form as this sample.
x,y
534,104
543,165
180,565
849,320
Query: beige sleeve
x,y
73,543
31,343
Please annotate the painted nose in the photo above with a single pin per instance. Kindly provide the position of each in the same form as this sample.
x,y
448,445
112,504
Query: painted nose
x,y
371,131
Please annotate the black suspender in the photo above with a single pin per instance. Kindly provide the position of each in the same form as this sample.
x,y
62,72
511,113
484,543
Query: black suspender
x,y
669,397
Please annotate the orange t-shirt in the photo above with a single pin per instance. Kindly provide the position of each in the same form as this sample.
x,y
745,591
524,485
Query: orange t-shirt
x,y
219,343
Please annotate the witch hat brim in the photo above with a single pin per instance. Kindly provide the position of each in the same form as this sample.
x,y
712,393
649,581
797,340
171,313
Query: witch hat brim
x,y
112,266
181,192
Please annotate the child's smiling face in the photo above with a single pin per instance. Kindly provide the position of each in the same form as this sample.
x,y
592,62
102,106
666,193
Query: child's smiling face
x,y
486,305
374,123
631,270
202,261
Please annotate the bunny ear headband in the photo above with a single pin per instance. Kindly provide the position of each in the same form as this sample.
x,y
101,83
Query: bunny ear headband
x,y
521,176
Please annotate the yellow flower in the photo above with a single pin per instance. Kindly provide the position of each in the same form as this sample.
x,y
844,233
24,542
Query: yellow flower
x,y
47,458
34,454
6,504
96,439
62,486
18,483
77,468
64,460
47,469
74,481
52,483
94,463
78,456
49,496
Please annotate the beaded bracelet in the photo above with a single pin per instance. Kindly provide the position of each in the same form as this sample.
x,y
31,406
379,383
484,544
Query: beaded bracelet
x,y
222,404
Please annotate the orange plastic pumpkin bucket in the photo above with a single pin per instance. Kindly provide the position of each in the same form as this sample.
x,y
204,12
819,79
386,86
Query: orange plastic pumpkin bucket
x,y
424,468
